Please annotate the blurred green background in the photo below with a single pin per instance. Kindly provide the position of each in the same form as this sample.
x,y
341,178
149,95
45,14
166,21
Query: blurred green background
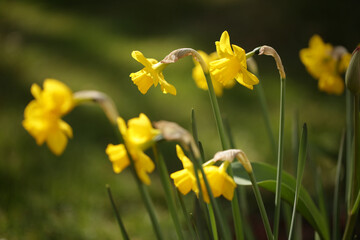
x,y
87,45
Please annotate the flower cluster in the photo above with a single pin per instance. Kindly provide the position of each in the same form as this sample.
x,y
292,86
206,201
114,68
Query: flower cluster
x,y
199,76
326,64
43,115
225,66
138,136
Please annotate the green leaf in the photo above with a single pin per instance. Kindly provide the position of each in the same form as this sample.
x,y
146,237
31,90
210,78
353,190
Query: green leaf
x,y
299,175
266,178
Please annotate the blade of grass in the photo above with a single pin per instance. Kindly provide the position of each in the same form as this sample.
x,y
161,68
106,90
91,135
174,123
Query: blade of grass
x,y
260,203
335,225
295,151
169,194
117,215
149,206
213,221
299,175
320,193
186,216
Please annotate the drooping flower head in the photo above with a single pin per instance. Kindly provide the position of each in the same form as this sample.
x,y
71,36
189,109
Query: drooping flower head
x,y
43,115
231,65
326,64
150,75
184,179
199,77
138,136
220,182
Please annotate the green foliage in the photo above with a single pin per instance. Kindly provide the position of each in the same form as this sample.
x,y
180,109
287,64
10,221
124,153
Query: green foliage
x,y
266,178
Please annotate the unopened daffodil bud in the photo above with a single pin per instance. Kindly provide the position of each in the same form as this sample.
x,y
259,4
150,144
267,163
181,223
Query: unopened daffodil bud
x,y
352,77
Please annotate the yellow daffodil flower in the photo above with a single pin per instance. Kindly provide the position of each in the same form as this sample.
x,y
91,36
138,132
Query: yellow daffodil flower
x,y
138,136
199,77
232,64
42,116
220,182
325,64
150,75
317,58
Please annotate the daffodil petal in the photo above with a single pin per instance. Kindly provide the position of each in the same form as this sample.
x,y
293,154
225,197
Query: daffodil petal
x,y
56,141
118,156
138,56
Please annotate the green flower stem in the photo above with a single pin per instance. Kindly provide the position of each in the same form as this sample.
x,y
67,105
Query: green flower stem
x,y
209,215
225,232
239,230
279,160
117,215
349,136
240,194
356,172
148,203
261,206
169,194
213,221
143,192
225,145
352,216
253,52
219,123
